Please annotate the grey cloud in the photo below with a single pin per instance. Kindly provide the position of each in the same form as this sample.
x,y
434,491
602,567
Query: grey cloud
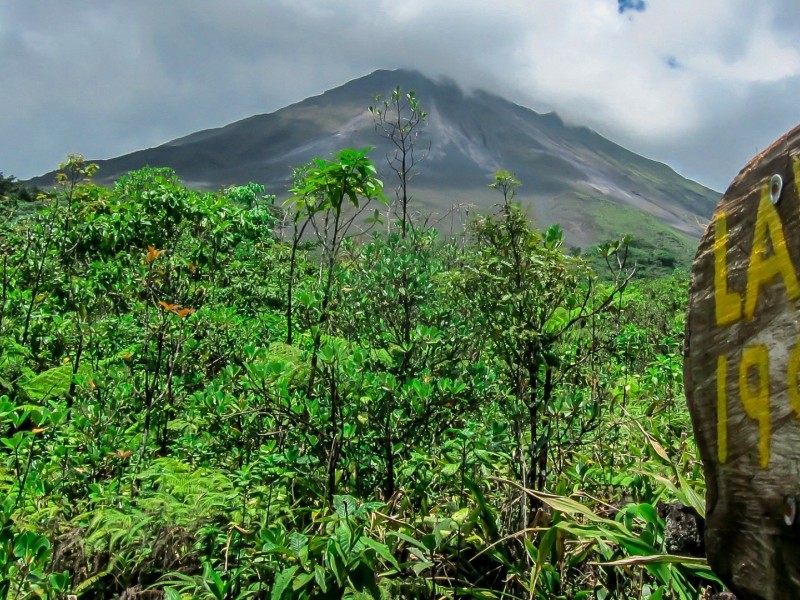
x,y
106,78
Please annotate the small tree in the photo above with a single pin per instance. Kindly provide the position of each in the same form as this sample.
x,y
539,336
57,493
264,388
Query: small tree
x,y
319,194
399,119
299,211
507,184
547,298
392,305
320,197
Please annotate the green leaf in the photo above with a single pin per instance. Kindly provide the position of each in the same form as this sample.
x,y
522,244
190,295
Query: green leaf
x,y
171,594
320,576
647,512
302,580
546,545
382,550
489,520
59,581
693,499
48,384
211,576
14,441
345,506
655,559
282,582
31,547
658,594
297,541
450,469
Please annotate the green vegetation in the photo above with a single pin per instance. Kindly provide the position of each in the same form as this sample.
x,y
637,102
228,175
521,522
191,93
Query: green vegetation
x,y
12,191
16,199
199,402
655,248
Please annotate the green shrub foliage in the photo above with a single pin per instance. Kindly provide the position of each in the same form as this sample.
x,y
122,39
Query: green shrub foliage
x,y
205,395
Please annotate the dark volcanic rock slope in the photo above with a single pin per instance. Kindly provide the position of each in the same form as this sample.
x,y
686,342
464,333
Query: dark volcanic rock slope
x,y
571,175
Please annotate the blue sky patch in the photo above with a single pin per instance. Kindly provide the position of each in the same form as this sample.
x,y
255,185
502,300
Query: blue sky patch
x,y
626,5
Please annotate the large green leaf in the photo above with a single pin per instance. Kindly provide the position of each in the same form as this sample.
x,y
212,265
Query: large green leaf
x,y
282,582
53,383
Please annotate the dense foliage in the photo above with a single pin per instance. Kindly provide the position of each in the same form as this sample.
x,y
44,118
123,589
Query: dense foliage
x,y
204,395
17,200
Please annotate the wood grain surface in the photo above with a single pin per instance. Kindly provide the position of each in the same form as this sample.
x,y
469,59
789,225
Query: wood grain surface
x,y
742,374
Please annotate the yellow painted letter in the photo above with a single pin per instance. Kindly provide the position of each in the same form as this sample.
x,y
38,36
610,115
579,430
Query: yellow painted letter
x,y
763,269
722,409
755,398
728,304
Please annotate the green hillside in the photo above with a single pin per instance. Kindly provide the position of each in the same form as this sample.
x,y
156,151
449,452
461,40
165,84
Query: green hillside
x,y
654,248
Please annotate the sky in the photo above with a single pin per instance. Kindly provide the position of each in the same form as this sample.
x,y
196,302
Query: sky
x,y
703,85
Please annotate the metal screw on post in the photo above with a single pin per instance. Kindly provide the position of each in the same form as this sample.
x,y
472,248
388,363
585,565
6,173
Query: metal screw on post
x,y
775,188
789,510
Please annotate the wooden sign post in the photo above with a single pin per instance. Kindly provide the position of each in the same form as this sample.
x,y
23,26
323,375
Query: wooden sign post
x,y
742,374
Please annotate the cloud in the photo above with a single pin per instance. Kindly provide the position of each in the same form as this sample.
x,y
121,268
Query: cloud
x,y
699,85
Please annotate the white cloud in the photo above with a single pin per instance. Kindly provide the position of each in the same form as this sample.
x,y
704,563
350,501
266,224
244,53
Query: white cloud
x,y
697,84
